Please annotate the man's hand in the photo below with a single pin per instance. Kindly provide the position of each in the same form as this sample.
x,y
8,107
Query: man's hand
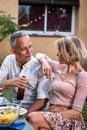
x,y
17,82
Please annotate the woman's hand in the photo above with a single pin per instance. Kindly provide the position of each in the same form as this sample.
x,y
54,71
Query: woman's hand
x,y
46,69
71,113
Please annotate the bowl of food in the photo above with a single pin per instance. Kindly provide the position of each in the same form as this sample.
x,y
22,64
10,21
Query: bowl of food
x,y
9,113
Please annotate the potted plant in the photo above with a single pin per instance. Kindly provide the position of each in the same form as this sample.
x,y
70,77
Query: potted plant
x,y
7,26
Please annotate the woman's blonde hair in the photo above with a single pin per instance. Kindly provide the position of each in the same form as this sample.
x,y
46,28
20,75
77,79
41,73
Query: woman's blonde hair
x,y
72,48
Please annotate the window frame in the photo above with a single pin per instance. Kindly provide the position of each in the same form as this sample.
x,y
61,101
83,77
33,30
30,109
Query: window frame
x,y
54,33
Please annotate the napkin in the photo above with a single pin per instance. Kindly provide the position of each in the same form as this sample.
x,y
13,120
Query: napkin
x,y
18,125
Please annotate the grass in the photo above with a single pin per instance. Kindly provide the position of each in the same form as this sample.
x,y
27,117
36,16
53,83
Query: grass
x,y
7,94
84,112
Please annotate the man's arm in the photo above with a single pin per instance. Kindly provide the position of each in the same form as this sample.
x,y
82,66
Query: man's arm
x,y
37,106
42,94
17,82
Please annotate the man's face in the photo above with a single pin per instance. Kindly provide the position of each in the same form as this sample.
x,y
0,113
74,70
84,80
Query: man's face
x,y
23,49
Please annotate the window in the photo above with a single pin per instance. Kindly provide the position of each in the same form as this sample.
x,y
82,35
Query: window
x,y
47,19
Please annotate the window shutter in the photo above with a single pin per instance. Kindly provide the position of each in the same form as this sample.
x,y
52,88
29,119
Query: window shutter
x,y
50,2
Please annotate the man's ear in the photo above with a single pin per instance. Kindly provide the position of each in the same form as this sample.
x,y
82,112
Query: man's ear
x,y
12,51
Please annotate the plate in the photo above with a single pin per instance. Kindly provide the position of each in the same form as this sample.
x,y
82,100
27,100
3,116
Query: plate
x,y
22,111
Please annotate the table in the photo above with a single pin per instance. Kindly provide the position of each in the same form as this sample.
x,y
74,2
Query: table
x,y
21,118
27,125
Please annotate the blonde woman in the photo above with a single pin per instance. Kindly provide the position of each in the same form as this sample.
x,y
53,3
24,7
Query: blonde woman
x,y
69,88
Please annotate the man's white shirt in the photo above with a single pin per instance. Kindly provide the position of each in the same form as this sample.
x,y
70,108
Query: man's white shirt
x,y
37,84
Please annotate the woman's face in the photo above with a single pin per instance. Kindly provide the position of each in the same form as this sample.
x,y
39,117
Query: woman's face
x,y
60,58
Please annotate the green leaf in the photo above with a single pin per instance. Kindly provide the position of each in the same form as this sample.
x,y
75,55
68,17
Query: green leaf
x,y
7,26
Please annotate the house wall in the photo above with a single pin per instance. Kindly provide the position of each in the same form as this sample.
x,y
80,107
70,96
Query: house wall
x,y
10,7
82,21
44,44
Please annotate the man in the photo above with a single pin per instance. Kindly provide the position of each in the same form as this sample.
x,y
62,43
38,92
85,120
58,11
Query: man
x,y
22,63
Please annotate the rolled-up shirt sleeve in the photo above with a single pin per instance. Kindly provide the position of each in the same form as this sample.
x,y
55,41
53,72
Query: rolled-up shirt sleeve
x,y
81,91
4,70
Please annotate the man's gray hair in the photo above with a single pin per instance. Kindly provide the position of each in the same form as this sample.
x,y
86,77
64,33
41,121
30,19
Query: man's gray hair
x,y
16,35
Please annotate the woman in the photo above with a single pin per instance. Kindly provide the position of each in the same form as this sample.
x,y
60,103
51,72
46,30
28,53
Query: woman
x,y
69,88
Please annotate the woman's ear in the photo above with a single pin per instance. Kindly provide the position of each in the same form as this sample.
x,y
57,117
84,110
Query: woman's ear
x,y
70,54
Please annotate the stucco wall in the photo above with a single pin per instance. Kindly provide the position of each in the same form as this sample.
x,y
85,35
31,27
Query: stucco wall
x,y
44,44
82,21
10,7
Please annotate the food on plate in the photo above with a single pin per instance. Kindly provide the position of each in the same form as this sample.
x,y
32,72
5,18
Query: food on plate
x,y
22,111
7,117
8,114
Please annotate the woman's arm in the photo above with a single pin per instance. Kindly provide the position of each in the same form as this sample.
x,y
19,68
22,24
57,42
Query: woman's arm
x,y
81,91
70,113
46,68
48,65
79,99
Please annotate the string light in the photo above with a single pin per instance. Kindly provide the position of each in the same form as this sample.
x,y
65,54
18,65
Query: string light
x,y
49,12
31,21
28,24
35,20
43,15
39,18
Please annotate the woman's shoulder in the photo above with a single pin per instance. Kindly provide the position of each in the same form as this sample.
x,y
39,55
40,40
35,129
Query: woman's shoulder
x,y
82,75
82,80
